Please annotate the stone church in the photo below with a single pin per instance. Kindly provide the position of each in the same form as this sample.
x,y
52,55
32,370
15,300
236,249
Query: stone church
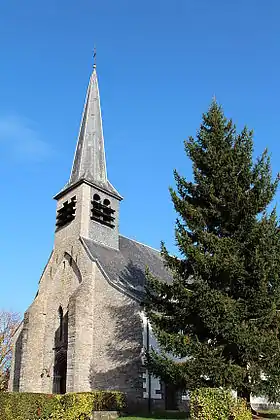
x,y
85,329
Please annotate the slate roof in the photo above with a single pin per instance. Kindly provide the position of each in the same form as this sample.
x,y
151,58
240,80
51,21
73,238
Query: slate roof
x,y
125,269
89,161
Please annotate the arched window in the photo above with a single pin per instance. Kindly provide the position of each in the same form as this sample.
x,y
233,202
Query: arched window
x,y
60,354
102,212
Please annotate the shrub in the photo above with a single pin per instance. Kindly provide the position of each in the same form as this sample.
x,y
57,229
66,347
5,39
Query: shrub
x,y
73,406
23,406
217,404
80,405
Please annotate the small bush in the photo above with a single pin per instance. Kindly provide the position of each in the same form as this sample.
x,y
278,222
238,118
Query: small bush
x,y
217,404
80,405
73,406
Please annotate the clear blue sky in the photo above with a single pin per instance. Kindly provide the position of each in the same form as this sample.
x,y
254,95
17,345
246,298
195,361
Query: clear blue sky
x,y
159,64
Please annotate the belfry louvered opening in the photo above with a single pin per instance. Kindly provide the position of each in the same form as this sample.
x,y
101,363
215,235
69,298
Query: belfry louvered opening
x,y
66,213
102,212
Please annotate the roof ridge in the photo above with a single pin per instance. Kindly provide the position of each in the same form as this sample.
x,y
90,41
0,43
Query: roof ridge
x,y
140,243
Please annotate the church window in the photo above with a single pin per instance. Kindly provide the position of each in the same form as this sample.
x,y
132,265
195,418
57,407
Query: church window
x,y
102,212
66,213
60,353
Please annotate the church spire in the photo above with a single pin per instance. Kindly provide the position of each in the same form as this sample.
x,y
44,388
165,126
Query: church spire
x,y
89,162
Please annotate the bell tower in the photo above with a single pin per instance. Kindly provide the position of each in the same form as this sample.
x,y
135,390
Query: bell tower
x,y
88,205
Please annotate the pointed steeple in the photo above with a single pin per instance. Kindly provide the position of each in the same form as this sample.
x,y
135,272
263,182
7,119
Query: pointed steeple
x,y
89,163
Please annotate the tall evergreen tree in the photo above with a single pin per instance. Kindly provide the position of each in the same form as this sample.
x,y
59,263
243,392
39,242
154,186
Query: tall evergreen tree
x,y
218,323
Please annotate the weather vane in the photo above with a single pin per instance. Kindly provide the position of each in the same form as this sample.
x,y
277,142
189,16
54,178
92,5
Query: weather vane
x,y
94,57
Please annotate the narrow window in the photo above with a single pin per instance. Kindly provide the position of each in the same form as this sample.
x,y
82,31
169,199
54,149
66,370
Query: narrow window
x,y
60,354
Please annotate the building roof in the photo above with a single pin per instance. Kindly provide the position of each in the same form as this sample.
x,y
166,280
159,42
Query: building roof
x,y
125,269
89,162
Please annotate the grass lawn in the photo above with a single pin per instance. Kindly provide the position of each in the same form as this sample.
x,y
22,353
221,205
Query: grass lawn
x,y
143,417
263,414
172,415
269,414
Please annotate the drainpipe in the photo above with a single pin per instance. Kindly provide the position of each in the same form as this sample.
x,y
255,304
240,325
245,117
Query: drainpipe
x,y
149,375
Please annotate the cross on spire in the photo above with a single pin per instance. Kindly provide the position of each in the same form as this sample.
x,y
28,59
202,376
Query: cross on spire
x,y
94,57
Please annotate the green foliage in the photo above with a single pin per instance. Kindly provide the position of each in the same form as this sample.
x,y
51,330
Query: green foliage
x,y
83,403
217,404
23,406
27,406
221,315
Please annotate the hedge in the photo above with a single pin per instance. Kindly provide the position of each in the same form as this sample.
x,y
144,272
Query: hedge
x,y
72,406
217,404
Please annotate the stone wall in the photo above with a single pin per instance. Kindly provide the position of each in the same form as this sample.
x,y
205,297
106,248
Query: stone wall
x,y
61,278
117,341
104,329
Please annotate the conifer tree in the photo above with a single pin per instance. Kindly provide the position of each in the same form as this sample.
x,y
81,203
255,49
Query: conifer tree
x,y
218,323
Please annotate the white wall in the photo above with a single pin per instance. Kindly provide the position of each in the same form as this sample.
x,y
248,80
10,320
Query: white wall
x,y
155,382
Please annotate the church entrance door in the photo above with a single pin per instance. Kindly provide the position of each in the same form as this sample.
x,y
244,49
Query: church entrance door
x,y
171,397
60,371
